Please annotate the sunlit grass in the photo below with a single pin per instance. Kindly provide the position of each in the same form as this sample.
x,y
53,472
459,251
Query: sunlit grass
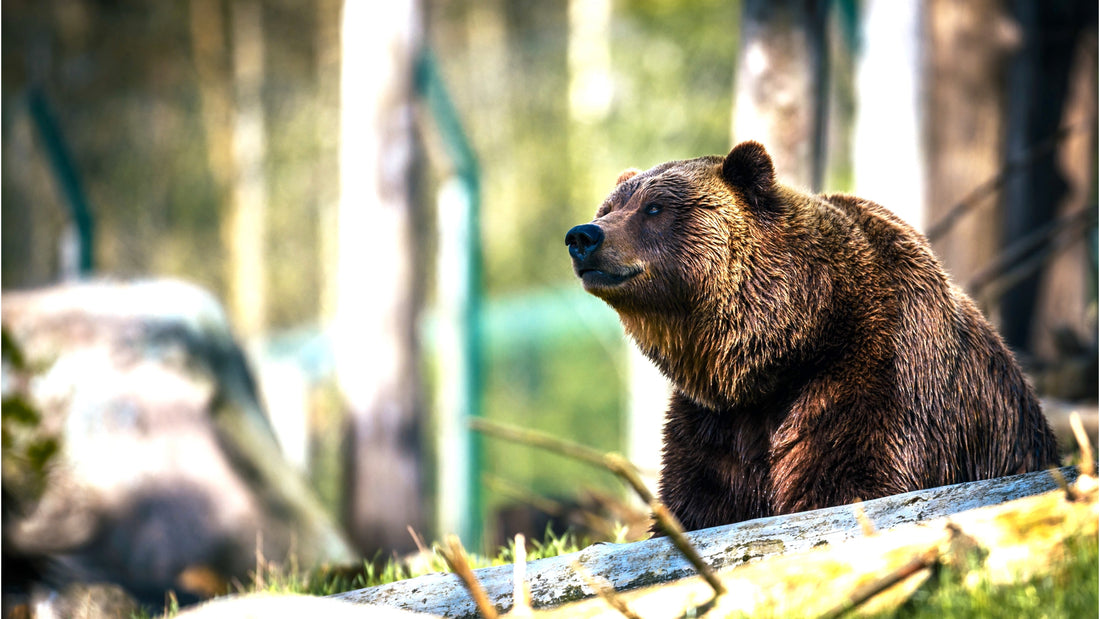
x,y
328,580
1068,589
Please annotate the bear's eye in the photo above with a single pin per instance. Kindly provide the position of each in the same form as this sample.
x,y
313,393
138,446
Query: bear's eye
x,y
652,208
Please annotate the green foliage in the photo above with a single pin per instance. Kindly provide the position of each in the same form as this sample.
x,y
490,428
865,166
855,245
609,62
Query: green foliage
x,y
27,449
569,387
1068,589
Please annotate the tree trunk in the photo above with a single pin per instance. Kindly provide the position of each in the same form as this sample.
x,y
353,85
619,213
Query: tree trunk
x,y
780,87
377,305
967,47
555,580
1052,82
887,164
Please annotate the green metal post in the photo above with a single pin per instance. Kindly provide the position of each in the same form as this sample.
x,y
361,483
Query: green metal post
x,y
430,86
64,169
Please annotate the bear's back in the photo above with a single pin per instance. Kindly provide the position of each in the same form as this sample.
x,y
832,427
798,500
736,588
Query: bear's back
x,y
960,379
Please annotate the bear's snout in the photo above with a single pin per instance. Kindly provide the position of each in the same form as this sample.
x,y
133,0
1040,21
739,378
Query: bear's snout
x,y
583,240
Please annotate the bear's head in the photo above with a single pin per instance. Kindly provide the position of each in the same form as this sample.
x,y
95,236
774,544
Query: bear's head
x,y
665,236
697,258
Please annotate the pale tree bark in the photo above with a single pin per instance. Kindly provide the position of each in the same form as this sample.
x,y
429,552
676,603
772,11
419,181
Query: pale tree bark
x,y
966,54
887,164
779,88
373,327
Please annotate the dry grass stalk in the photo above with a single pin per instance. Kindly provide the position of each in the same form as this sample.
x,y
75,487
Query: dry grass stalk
x,y
865,523
521,596
455,557
1083,443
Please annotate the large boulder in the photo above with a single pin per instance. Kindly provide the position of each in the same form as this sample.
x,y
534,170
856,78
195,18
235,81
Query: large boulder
x,y
167,475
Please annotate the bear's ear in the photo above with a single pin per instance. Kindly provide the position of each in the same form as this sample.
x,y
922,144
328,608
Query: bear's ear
x,y
748,170
627,174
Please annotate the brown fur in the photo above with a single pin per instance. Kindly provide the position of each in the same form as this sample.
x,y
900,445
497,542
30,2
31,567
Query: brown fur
x,y
818,352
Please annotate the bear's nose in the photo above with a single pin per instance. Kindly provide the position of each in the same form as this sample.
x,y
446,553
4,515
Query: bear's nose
x,y
583,240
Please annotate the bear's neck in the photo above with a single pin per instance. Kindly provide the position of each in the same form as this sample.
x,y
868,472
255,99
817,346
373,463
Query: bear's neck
x,y
728,361
703,363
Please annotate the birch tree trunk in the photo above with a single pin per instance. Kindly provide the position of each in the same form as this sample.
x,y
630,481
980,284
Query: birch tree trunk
x,y
373,327
887,163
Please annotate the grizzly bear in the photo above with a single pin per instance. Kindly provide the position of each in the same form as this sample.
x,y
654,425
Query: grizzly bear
x,y
819,355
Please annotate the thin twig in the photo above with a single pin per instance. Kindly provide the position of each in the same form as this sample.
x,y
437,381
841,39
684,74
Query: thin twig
x,y
621,467
419,541
519,494
455,557
860,596
581,516
1064,485
998,287
605,591
258,580
671,526
539,439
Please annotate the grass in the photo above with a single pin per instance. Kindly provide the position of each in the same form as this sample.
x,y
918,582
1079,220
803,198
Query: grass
x,y
288,579
272,578
1068,589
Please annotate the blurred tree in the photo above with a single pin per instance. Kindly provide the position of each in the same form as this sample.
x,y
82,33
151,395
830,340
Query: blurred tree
x,y
1052,89
887,158
780,90
245,226
967,47
378,303
233,123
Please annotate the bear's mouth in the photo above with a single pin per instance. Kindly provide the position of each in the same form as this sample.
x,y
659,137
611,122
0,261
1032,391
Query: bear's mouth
x,y
607,278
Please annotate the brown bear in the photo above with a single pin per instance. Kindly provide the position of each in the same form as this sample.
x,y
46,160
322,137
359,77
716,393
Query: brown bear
x,y
819,353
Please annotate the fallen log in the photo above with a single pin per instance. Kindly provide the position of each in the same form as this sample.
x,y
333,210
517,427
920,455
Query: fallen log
x,y
554,581
998,544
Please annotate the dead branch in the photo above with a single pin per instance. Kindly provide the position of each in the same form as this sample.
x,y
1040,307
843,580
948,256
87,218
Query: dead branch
x,y
553,582
675,532
456,558
1020,249
621,467
997,287
1014,541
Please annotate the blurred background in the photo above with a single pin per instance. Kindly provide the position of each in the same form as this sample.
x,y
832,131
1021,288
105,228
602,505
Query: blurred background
x,y
342,224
